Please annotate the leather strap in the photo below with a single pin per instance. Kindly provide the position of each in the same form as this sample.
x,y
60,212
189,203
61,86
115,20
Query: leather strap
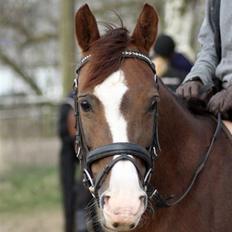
x,y
125,149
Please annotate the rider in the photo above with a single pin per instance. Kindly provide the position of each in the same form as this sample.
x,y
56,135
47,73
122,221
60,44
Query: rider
x,y
214,59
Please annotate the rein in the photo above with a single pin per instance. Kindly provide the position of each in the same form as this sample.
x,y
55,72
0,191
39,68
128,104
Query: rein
x,y
162,202
127,151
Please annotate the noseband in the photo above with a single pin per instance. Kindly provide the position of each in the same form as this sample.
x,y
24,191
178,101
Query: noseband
x,y
122,151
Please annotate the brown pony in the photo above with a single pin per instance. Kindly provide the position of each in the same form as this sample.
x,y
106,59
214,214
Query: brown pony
x,y
118,101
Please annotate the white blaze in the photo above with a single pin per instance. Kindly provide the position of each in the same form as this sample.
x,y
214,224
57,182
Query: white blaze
x,y
124,182
110,93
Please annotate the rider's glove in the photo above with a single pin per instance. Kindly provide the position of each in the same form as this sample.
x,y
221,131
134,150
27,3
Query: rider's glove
x,y
221,102
190,89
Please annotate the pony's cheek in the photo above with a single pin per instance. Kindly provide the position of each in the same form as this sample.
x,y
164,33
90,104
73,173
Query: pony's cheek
x,y
99,165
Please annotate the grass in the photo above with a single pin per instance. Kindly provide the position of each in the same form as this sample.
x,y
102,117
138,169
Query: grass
x,y
25,189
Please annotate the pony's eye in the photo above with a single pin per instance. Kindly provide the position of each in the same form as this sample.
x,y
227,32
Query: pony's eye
x,y
152,106
85,106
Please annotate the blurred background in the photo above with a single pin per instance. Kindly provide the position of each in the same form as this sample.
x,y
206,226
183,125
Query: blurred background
x,y
38,56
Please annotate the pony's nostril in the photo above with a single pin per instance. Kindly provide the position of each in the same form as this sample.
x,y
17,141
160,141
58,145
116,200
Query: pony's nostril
x,y
143,199
115,224
104,200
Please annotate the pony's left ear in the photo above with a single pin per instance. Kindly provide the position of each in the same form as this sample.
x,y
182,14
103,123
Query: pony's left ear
x,y
145,31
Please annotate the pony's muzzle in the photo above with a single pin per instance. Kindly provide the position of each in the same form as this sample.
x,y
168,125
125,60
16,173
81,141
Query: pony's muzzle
x,y
122,214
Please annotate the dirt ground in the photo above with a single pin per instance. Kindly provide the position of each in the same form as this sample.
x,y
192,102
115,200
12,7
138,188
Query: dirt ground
x,y
49,221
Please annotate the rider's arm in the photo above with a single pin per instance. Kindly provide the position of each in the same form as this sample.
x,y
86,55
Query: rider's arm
x,y
207,60
224,69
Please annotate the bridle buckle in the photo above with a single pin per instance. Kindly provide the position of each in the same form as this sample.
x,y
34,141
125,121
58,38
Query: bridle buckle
x,y
87,180
155,152
78,151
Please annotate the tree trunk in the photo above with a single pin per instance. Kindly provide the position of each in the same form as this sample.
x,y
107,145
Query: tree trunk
x,y
67,44
182,23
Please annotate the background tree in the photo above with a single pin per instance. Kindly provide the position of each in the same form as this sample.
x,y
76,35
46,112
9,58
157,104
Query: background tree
x,y
27,29
67,44
182,19
36,36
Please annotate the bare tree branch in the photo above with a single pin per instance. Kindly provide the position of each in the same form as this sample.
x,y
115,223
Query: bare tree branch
x,y
39,39
15,67
15,25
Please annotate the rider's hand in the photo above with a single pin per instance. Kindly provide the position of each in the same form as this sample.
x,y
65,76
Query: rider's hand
x,y
190,89
222,101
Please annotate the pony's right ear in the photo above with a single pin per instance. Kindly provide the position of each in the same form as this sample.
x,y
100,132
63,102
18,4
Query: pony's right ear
x,y
86,28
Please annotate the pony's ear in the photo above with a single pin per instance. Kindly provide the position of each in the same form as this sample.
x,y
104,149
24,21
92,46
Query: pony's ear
x,y
145,31
86,28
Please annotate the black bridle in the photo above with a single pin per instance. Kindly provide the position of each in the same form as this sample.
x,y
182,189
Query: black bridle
x,y
129,151
124,151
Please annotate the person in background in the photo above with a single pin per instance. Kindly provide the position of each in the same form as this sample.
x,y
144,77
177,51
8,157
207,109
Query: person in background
x,y
214,61
75,196
171,66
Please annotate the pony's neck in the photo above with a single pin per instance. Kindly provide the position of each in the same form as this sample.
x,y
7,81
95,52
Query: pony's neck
x,y
182,144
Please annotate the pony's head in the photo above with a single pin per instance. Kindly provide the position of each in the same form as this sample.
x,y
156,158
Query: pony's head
x,y
116,103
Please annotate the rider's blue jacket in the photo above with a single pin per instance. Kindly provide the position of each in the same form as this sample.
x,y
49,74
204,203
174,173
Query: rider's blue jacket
x,y
208,64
